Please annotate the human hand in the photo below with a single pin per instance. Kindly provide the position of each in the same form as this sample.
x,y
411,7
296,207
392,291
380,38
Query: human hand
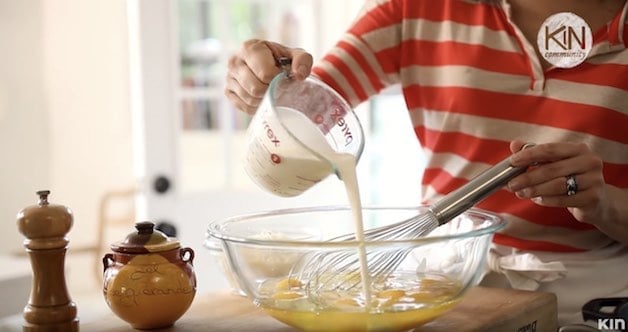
x,y
546,182
254,66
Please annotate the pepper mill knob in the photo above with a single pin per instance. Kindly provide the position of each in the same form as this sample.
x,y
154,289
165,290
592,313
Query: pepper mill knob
x,y
45,227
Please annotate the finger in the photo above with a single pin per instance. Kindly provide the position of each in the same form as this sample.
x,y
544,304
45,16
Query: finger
x,y
301,60
546,172
516,145
581,199
301,63
548,152
556,187
238,103
243,81
250,101
260,57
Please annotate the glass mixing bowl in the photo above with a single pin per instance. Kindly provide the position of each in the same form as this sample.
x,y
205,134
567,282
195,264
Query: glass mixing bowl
x,y
287,263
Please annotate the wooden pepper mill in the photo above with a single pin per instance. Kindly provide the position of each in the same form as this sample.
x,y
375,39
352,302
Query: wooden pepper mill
x,y
45,226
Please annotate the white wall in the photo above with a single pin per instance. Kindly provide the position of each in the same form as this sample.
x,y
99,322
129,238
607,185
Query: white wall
x,y
64,109
24,131
86,76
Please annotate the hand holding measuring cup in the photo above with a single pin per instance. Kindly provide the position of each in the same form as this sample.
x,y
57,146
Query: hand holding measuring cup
x,y
251,69
295,134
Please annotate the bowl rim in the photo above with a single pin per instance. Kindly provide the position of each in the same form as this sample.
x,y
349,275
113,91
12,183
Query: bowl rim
x,y
213,232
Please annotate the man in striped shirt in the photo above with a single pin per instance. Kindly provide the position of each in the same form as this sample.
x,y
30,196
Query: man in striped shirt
x,y
476,85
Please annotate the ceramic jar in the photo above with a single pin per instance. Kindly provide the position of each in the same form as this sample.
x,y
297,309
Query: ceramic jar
x,y
149,279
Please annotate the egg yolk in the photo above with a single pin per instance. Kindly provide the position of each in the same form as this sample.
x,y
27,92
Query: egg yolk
x,y
394,307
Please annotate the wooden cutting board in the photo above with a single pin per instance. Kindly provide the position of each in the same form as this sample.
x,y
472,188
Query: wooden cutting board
x,y
483,309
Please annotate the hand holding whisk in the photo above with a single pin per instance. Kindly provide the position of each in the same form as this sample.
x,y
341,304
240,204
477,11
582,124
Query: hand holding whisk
x,y
321,270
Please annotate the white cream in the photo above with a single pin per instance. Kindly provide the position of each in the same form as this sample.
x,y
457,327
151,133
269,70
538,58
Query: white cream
x,y
307,132
279,164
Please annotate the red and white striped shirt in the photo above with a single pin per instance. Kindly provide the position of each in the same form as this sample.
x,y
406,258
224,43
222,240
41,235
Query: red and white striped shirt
x,y
472,83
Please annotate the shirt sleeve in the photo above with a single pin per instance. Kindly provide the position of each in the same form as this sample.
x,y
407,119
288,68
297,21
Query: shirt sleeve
x,y
366,58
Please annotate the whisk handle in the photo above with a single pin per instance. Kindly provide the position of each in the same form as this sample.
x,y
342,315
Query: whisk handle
x,y
474,191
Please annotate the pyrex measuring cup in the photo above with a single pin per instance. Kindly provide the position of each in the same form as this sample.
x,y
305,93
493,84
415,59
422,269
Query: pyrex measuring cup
x,y
287,159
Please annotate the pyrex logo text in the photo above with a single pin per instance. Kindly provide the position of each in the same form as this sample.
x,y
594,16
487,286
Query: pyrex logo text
x,y
271,134
337,116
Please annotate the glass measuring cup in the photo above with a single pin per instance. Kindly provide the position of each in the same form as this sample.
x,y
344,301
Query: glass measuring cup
x,y
296,131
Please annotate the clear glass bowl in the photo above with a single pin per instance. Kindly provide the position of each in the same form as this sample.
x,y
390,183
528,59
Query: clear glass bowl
x,y
275,259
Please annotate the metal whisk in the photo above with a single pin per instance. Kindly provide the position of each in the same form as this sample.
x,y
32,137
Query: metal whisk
x,y
319,269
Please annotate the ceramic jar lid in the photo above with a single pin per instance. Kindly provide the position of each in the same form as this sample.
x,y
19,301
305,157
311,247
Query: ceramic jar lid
x,y
145,240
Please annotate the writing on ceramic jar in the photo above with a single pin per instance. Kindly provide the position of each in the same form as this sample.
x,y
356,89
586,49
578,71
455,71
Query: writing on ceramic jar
x,y
148,281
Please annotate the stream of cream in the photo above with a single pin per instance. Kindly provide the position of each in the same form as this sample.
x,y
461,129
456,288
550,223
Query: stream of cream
x,y
345,165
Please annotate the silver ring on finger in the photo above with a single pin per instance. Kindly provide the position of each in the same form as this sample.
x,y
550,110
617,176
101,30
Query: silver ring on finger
x,y
572,185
